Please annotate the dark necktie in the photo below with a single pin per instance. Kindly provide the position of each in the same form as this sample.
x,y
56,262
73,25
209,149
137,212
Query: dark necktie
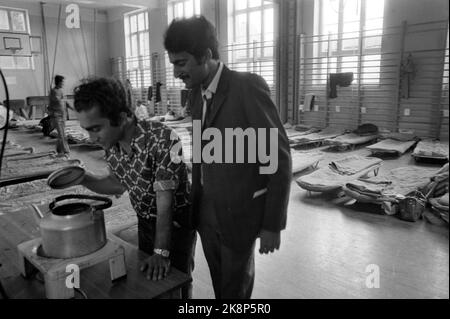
x,y
208,110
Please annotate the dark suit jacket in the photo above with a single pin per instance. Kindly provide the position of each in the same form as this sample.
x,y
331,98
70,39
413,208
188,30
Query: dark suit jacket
x,y
243,101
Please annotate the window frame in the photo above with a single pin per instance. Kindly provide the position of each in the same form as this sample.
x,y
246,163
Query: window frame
x,y
137,65
255,56
339,53
15,64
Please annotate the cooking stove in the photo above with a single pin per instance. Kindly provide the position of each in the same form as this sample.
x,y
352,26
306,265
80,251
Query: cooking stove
x,y
59,272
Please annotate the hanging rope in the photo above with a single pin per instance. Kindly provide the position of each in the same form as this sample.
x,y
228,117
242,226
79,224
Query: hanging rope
x,y
56,45
85,47
95,41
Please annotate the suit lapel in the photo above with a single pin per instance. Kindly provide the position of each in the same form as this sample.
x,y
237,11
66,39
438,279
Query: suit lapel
x,y
220,96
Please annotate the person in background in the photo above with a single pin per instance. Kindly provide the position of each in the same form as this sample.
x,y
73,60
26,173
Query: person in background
x,y
141,160
57,115
130,96
233,203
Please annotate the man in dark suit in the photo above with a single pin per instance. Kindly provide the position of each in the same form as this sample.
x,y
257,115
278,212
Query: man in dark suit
x,y
234,201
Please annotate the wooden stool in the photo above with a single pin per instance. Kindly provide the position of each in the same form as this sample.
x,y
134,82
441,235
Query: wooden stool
x,y
54,270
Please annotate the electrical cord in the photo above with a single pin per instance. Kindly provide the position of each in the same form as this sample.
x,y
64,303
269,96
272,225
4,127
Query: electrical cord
x,y
39,278
2,290
5,127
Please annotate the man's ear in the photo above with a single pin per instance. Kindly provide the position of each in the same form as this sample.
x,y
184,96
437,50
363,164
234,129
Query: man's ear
x,y
206,57
123,118
209,54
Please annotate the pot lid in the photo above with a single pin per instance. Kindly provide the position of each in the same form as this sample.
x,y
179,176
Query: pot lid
x,y
66,177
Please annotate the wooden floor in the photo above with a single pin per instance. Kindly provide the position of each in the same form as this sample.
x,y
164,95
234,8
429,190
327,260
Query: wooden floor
x,y
327,247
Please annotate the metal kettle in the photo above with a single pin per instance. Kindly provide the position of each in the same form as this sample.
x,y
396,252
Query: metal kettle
x,y
73,229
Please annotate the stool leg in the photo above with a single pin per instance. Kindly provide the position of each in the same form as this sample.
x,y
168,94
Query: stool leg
x,y
117,266
55,288
26,268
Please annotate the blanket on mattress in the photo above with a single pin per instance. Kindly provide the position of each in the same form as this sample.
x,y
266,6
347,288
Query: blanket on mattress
x,y
431,149
338,173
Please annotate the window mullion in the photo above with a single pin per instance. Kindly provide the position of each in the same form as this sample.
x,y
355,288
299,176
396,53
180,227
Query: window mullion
x,y
340,36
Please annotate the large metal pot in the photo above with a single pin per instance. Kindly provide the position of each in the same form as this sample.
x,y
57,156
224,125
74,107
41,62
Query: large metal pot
x,y
73,229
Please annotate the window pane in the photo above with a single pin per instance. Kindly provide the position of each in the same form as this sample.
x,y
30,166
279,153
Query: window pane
x,y
268,25
371,69
230,7
240,51
240,4
189,8
170,16
127,46
141,22
6,62
18,21
255,33
126,24
374,15
197,7
241,28
254,3
22,62
179,12
255,26
134,45
146,43
4,22
133,24
330,16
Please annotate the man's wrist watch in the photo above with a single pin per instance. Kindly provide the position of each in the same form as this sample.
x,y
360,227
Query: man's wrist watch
x,y
162,252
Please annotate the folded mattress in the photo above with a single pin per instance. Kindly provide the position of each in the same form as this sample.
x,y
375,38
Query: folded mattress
x,y
391,146
351,139
431,149
304,160
338,173
318,136
392,186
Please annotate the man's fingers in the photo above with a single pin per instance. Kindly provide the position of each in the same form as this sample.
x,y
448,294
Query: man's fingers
x,y
155,273
167,270
150,271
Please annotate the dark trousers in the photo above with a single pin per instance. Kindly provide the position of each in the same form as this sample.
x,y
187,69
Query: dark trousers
x,y
181,252
232,272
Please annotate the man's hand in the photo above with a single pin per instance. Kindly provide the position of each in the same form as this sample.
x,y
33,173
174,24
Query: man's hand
x,y
269,241
156,266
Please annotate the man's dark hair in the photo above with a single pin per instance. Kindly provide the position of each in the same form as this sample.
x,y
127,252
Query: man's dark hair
x,y
58,79
194,35
108,94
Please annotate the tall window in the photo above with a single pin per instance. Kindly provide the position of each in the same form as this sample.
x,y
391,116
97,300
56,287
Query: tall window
x,y
15,21
178,9
251,30
182,9
349,33
137,49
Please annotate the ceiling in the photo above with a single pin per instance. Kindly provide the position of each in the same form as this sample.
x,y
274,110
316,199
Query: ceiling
x,y
102,4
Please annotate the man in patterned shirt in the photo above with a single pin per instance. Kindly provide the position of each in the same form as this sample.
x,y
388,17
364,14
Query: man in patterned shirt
x,y
141,160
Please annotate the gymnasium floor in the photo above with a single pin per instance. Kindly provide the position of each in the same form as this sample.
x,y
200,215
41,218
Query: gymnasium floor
x,y
328,249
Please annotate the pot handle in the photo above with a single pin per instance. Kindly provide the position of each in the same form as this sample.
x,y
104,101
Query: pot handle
x,y
107,202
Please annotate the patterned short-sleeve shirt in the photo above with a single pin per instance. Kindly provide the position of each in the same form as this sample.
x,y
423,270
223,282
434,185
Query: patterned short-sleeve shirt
x,y
154,164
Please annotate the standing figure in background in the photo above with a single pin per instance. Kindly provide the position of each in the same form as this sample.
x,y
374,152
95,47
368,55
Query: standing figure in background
x,y
130,98
57,114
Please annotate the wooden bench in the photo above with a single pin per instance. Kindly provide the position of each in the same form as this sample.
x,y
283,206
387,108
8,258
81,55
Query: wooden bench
x,y
37,106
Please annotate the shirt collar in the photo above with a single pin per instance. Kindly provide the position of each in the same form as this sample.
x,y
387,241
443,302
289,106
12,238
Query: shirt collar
x,y
138,132
212,88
